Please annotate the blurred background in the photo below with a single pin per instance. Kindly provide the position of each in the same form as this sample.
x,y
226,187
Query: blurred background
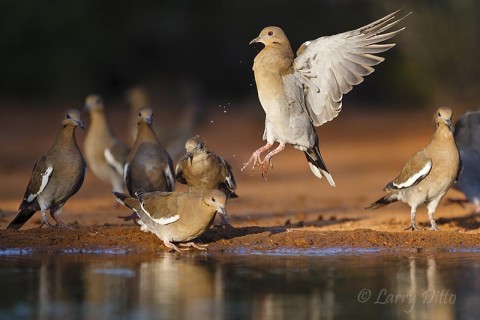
x,y
194,55
64,50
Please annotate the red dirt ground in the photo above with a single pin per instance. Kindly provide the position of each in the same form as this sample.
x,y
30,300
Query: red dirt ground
x,y
290,209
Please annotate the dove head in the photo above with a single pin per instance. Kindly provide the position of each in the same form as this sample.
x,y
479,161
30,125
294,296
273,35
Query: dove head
x,y
271,35
444,116
72,118
137,97
194,144
93,102
216,200
145,115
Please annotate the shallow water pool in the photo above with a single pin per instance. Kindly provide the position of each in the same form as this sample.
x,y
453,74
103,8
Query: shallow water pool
x,y
338,283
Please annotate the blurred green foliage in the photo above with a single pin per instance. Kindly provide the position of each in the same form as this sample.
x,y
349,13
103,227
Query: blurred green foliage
x,y
67,49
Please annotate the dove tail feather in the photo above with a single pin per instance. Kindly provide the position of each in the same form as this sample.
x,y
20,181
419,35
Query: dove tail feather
x,y
23,216
382,202
127,201
317,165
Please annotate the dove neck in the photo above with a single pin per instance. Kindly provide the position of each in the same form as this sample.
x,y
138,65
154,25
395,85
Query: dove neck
x,y
443,134
98,121
145,133
66,138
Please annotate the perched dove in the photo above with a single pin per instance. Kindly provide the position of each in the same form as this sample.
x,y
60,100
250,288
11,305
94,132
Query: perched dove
x,y
300,93
105,154
149,167
176,216
467,137
429,174
56,176
202,170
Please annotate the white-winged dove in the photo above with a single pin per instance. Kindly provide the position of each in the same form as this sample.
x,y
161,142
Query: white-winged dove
x,y
176,216
467,137
202,170
105,154
429,174
300,93
56,176
171,137
149,167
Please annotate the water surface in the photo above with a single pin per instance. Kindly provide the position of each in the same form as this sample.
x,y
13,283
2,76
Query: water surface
x,y
287,284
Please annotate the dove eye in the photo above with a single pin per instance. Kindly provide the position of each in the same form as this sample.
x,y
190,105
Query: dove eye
x,y
270,33
213,199
68,116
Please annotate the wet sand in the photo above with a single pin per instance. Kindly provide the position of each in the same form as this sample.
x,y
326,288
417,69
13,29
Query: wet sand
x,y
290,209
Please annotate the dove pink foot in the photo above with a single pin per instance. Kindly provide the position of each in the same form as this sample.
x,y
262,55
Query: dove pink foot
x,y
267,161
256,157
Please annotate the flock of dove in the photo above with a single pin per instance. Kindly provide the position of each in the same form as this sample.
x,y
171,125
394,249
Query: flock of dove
x,y
297,93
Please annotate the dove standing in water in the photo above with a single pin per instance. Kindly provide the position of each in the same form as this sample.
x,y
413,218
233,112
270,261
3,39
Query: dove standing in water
x,y
429,174
56,176
298,94
105,154
176,216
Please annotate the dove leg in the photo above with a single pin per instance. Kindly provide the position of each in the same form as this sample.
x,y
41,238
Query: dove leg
x,y
45,220
256,157
413,225
170,245
54,214
193,244
267,161
431,206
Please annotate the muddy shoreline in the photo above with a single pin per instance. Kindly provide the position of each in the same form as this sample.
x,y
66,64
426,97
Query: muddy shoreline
x,y
130,240
290,209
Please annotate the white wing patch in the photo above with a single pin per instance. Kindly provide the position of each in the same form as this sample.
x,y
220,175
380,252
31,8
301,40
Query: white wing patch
x,y
229,182
45,177
170,178
162,221
112,161
125,171
416,176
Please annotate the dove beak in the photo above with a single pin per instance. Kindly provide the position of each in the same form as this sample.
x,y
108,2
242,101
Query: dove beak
x,y
257,39
80,124
449,124
223,212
